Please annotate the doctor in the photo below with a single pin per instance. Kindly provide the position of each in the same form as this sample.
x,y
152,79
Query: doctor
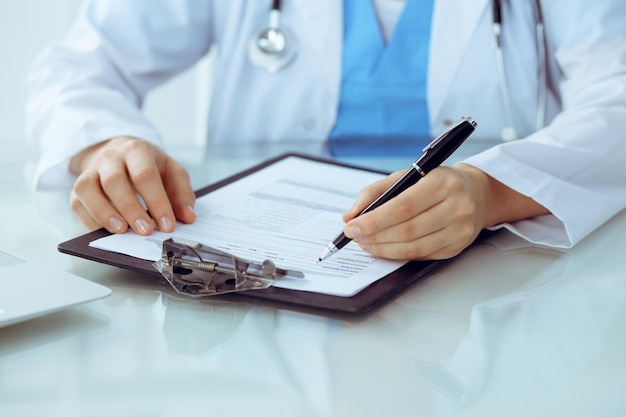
x,y
379,67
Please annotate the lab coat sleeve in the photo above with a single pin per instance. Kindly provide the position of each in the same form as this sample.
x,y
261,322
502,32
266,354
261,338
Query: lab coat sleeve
x,y
575,167
90,87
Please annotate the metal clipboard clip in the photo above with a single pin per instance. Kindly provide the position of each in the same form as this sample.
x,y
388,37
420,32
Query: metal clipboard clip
x,y
198,270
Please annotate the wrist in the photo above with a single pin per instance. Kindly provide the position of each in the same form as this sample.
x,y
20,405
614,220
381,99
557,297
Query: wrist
x,y
496,202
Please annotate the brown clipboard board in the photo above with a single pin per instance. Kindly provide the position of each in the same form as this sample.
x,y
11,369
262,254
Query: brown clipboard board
x,y
364,301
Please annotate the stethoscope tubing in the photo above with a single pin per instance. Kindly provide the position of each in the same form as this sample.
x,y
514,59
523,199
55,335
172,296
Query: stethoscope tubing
x,y
511,132
274,61
273,47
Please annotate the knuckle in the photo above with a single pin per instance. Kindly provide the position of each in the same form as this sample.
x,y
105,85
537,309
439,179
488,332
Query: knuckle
x,y
182,175
178,170
134,145
404,209
452,251
83,183
143,175
412,251
129,212
109,153
112,179
467,214
372,225
465,210
453,183
367,193
121,147
159,208
406,231
75,203
462,232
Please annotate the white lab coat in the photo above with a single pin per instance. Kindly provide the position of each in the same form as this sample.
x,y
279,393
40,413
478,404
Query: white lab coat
x,y
90,87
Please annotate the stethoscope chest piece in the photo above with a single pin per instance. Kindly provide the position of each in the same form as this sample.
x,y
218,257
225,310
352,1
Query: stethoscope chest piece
x,y
272,48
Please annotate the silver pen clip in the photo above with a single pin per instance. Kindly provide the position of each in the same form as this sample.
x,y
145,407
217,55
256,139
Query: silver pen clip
x,y
445,133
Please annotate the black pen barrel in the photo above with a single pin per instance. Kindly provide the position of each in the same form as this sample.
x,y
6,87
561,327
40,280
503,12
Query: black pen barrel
x,y
409,178
341,240
447,145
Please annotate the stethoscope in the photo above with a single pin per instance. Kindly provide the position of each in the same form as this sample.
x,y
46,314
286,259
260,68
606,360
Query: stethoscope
x,y
511,132
274,47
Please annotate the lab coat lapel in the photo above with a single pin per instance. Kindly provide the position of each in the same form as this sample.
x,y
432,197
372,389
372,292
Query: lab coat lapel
x,y
454,23
321,26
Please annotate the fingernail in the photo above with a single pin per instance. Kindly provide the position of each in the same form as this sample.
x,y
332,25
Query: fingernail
x,y
142,226
191,210
115,224
364,246
166,224
353,232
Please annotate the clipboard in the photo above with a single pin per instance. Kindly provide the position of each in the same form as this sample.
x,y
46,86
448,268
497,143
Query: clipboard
x,y
364,301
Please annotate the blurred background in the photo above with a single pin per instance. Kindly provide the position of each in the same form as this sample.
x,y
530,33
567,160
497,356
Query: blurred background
x,y
28,26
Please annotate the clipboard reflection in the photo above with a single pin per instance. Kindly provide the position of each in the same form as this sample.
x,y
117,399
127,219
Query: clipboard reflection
x,y
194,327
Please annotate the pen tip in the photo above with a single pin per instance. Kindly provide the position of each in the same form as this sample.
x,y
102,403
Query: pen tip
x,y
319,260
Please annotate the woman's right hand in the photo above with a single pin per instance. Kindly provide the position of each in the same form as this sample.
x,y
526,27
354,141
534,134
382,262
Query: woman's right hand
x,y
115,175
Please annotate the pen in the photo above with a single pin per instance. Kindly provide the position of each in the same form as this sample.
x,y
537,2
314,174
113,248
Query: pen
x,y
433,155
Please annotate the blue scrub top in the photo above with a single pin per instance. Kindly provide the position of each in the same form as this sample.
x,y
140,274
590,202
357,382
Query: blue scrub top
x,y
383,88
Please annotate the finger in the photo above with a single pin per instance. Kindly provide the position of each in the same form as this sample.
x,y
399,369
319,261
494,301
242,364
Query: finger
x,y
438,233
415,200
370,193
178,188
81,212
436,245
146,178
122,195
92,207
426,222
396,212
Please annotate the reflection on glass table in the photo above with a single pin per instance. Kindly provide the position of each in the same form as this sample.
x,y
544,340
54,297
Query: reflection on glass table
x,y
507,329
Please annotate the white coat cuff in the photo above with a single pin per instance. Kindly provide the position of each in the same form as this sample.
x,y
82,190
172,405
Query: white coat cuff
x,y
548,230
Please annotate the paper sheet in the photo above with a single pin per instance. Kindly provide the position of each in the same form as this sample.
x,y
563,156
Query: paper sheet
x,y
287,212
